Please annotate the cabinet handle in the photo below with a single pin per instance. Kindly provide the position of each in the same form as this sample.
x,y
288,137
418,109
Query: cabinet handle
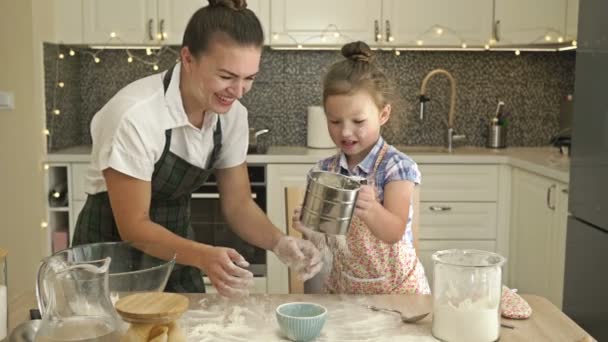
x,y
440,208
163,35
497,30
150,25
377,34
388,31
549,191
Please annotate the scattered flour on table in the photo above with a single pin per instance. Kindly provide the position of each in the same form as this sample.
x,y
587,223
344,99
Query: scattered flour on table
x,y
253,319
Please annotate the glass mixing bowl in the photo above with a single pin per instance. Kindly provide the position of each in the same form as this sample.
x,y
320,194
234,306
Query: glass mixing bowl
x,y
134,267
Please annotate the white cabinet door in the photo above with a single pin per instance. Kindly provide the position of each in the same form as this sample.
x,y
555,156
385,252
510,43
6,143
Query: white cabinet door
x,y
532,224
68,21
455,183
428,247
529,22
458,220
317,22
173,16
133,21
280,176
437,22
572,20
557,248
261,8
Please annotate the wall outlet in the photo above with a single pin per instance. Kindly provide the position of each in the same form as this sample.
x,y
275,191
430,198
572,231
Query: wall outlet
x,y
7,100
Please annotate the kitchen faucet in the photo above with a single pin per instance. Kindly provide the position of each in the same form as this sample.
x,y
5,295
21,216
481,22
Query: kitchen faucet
x,y
451,136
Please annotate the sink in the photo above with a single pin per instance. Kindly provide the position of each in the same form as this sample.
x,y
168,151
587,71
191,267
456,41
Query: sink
x,y
407,149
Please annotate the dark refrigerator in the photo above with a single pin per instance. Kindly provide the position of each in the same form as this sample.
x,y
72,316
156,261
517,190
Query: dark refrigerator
x,y
586,272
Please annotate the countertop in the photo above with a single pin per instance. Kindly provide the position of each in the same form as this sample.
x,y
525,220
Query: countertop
x,y
546,161
211,318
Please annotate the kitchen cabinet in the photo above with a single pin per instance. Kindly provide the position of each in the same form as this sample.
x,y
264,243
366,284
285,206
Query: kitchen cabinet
x,y
279,177
144,21
572,20
67,21
523,22
318,22
538,235
436,22
386,23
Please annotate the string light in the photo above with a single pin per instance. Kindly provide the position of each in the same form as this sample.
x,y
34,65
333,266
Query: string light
x,y
61,56
45,166
574,43
148,51
112,34
155,67
46,132
97,59
439,31
56,111
336,34
391,38
397,53
72,52
130,59
517,52
547,38
464,45
61,84
43,224
487,47
419,42
560,39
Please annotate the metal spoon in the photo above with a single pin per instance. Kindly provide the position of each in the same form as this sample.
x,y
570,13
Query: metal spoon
x,y
405,319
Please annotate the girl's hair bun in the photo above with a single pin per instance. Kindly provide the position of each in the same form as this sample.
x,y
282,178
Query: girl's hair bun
x,y
236,5
357,51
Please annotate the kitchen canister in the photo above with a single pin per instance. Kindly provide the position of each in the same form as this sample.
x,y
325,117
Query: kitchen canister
x,y
497,135
467,289
317,135
3,296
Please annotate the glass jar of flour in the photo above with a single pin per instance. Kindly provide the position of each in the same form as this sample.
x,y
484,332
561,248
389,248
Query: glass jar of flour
x,y
467,288
3,296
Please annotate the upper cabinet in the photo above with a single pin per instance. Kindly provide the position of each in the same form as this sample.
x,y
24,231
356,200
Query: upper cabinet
x,y
525,22
116,22
436,22
321,22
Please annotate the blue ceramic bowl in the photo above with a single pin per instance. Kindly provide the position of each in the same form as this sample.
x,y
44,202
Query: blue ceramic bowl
x,y
301,321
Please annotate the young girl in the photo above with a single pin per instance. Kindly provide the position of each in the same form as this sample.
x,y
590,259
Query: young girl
x,y
380,257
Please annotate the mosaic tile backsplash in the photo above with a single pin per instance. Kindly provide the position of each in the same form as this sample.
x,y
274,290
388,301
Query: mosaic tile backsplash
x,y
532,86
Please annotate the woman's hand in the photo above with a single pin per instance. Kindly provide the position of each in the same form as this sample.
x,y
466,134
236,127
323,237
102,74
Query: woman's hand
x,y
366,202
224,267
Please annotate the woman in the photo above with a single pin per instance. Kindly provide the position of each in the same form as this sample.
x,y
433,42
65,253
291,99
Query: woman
x,y
159,138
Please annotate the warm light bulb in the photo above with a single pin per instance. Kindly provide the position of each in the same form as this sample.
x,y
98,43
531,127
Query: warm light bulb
x,y
299,46
56,111
56,194
112,34
72,52
379,36
574,43
492,41
439,30
97,60
60,84
464,45
397,53
391,38
560,39
165,35
159,36
487,47
46,132
548,38
336,34
43,224
517,52
323,38
130,59
46,166
275,36
148,51
61,56
419,42
155,67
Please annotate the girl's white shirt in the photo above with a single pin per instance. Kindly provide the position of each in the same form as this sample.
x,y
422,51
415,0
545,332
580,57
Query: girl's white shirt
x,y
129,132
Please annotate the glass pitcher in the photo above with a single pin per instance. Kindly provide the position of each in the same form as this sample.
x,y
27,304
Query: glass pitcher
x,y
73,298
467,288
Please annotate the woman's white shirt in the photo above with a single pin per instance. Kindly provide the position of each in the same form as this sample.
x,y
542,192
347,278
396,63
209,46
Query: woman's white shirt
x,y
129,132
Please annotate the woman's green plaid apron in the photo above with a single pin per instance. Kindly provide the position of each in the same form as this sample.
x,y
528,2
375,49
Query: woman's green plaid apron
x,y
173,182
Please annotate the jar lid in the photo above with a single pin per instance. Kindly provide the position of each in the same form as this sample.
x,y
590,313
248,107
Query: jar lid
x,y
468,258
152,307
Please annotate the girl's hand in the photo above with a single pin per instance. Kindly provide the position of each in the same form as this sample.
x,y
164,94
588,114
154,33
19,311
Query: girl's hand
x,y
366,201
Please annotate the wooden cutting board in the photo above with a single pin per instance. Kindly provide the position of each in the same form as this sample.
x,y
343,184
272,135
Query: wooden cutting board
x,y
152,307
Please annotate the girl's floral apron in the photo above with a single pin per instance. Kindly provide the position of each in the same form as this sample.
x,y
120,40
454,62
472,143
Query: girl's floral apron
x,y
371,266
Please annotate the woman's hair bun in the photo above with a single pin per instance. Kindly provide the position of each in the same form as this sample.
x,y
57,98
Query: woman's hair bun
x,y
236,5
357,51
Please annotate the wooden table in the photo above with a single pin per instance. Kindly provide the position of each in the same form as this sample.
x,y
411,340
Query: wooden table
x,y
547,323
